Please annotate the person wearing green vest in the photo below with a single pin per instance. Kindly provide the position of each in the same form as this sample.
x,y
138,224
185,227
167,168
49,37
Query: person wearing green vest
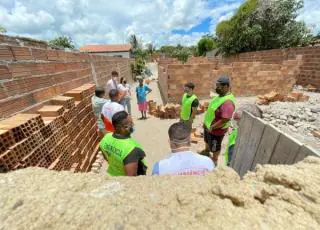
x,y
189,105
232,136
217,118
124,155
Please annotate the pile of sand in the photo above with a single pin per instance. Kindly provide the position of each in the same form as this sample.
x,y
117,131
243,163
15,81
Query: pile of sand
x,y
275,197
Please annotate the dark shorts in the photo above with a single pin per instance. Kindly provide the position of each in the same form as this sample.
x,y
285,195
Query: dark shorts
x,y
213,141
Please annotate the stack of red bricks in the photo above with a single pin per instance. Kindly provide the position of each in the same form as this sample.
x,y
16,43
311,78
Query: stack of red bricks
x,y
62,136
276,96
169,111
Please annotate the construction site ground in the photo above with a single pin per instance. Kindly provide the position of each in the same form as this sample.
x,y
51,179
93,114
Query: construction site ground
x,y
152,133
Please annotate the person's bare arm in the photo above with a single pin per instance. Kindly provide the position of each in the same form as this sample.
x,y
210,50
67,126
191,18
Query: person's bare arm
x,y
219,124
194,112
131,169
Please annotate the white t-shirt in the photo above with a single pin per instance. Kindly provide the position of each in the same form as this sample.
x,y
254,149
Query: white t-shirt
x,y
183,163
111,84
125,89
109,109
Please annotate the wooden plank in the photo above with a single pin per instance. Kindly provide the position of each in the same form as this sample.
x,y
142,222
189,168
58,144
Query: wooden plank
x,y
240,152
285,151
304,152
267,145
254,139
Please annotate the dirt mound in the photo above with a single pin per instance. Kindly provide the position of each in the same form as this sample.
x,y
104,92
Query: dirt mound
x,y
275,197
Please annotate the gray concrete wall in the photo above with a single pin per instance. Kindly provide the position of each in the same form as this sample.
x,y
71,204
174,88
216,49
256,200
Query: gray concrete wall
x,y
261,143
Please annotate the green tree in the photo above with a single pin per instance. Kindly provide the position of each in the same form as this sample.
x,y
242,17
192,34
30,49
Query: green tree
x,y
134,42
62,42
150,48
182,54
206,43
2,29
261,25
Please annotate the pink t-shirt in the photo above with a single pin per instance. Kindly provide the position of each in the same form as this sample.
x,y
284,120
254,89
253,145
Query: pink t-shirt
x,y
224,111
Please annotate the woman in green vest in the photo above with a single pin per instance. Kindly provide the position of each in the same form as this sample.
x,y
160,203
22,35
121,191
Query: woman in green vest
x,y
189,105
124,155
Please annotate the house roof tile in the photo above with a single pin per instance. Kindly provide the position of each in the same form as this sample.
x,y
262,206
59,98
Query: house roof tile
x,y
105,48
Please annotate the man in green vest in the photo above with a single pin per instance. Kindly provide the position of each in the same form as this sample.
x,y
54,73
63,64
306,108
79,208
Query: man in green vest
x,y
124,155
189,105
217,118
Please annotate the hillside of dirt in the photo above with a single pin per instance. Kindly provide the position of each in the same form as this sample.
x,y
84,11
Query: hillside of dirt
x,y
275,197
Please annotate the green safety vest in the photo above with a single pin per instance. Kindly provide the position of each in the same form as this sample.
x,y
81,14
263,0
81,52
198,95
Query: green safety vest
x,y
231,141
215,103
186,106
117,150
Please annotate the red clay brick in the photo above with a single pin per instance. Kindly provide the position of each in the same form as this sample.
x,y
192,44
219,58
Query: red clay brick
x,y
39,54
6,54
5,74
21,53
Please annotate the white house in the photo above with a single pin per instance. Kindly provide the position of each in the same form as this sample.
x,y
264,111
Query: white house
x,y
114,50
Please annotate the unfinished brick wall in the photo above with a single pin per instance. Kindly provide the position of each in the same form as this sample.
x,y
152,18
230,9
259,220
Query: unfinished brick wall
x,y
30,76
252,73
309,72
254,78
179,74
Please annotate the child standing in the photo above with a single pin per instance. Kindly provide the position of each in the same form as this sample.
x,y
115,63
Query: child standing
x,y
141,92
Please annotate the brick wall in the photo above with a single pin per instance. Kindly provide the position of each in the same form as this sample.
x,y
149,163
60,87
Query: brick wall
x,y
309,72
251,73
31,76
179,74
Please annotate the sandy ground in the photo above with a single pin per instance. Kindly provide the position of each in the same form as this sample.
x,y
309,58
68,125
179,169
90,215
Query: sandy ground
x,y
274,197
152,133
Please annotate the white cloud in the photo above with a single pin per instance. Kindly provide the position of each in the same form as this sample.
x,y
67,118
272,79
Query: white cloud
x,y
311,15
106,21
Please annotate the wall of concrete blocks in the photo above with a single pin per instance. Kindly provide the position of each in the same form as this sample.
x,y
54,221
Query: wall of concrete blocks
x,y
265,145
60,136
30,76
249,77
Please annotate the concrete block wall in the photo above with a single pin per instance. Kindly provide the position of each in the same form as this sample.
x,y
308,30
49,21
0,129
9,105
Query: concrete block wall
x,y
31,76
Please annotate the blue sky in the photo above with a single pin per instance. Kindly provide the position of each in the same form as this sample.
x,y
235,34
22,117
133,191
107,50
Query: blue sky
x,y
104,21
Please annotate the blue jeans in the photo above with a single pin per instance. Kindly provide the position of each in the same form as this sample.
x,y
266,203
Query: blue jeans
x,y
230,154
126,102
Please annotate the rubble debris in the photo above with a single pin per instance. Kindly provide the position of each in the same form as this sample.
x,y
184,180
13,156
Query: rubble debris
x,y
311,88
300,120
170,111
316,133
276,96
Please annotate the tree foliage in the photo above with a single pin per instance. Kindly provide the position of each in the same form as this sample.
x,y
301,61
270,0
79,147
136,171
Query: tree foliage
x,y
261,25
62,42
2,29
207,43
180,52
134,42
140,54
